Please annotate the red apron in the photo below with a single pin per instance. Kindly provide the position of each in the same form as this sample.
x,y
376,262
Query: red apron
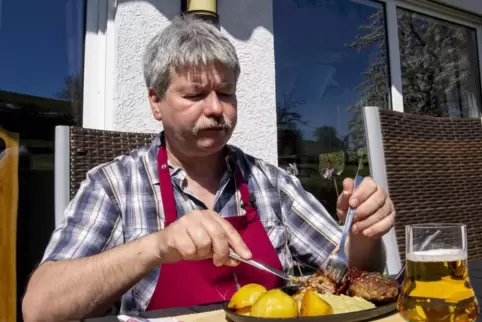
x,y
188,283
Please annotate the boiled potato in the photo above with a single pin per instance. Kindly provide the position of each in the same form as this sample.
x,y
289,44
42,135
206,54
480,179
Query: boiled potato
x,y
244,311
275,304
246,296
298,296
313,305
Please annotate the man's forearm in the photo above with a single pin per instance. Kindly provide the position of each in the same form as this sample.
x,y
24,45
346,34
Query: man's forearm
x,y
366,254
74,289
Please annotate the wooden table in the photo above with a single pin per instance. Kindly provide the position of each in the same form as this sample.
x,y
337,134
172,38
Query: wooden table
x,y
212,312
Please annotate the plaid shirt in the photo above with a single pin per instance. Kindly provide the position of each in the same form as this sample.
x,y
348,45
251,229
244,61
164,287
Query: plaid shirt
x,y
120,201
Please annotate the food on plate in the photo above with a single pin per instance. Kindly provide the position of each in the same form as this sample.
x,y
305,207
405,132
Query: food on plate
x,y
250,300
318,282
245,297
370,286
244,311
338,303
318,296
314,305
275,304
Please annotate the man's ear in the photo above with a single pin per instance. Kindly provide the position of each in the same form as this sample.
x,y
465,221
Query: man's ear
x,y
155,102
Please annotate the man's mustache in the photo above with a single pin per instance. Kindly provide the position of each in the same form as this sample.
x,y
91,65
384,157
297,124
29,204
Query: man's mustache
x,y
212,124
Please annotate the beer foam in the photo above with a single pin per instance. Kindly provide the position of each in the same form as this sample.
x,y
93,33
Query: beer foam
x,y
437,255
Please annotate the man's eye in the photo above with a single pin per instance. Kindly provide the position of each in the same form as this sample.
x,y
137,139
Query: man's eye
x,y
193,96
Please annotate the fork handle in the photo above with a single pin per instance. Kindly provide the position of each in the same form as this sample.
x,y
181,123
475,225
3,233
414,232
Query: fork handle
x,y
349,216
349,219
259,265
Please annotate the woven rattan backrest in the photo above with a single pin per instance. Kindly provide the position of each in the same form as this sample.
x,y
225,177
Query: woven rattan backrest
x,y
89,148
434,172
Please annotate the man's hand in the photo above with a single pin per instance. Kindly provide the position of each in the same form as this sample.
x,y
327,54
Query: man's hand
x,y
200,234
374,211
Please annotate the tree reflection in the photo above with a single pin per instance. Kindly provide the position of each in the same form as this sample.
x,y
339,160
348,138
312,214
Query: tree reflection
x,y
290,139
304,154
374,90
73,91
438,65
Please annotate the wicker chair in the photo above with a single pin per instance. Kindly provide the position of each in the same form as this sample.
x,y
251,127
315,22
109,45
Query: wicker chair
x,y
77,150
432,167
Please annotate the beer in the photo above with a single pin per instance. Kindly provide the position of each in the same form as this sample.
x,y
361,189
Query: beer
x,y
437,287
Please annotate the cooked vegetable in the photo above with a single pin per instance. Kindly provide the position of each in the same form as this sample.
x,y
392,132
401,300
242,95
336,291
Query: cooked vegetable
x,y
313,305
275,304
246,296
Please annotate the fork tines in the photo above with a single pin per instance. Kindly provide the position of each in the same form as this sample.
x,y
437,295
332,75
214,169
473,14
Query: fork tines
x,y
336,271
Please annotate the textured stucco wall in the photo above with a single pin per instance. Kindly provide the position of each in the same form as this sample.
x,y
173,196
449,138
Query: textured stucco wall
x,y
247,23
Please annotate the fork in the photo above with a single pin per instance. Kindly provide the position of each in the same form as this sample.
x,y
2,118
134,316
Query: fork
x,y
260,266
337,262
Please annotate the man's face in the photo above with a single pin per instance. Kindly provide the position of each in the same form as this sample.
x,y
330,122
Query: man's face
x,y
198,110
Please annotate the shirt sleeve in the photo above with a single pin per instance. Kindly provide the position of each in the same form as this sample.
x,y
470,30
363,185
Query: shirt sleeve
x,y
91,224
314,234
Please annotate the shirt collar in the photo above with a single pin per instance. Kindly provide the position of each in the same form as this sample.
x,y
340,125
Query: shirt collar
x,y
151,160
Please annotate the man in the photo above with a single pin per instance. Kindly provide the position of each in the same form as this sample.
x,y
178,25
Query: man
x,y
154,228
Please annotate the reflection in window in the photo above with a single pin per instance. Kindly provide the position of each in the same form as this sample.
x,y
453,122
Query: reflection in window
x,y
41,64
331,59
440,70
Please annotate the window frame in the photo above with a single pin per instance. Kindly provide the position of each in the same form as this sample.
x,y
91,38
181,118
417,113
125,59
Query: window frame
x,y
100,61
430,9
42,104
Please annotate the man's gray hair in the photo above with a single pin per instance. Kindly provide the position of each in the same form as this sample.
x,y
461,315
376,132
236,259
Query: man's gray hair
x,y
187,42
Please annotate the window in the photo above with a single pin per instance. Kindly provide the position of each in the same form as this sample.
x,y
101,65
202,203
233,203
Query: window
x,y
334,57
440,69
331,59
41,64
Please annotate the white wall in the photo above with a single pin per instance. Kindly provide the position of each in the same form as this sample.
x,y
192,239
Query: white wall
x,y
247,23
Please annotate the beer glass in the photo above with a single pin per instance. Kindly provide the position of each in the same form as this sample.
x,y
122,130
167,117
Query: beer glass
x,y
437,285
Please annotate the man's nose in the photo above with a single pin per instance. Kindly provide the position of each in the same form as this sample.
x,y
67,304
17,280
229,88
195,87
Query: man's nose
x,y
212,105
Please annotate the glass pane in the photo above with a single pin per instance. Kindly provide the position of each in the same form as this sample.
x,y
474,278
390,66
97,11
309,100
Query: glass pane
x,y
41,77
440,69
331,59
45,47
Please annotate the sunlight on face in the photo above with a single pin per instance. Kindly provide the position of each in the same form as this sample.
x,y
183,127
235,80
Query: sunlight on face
x,y
199,109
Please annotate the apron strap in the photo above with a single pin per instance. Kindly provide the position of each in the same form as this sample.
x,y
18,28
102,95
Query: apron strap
x,y
167,191
165,184
246,198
